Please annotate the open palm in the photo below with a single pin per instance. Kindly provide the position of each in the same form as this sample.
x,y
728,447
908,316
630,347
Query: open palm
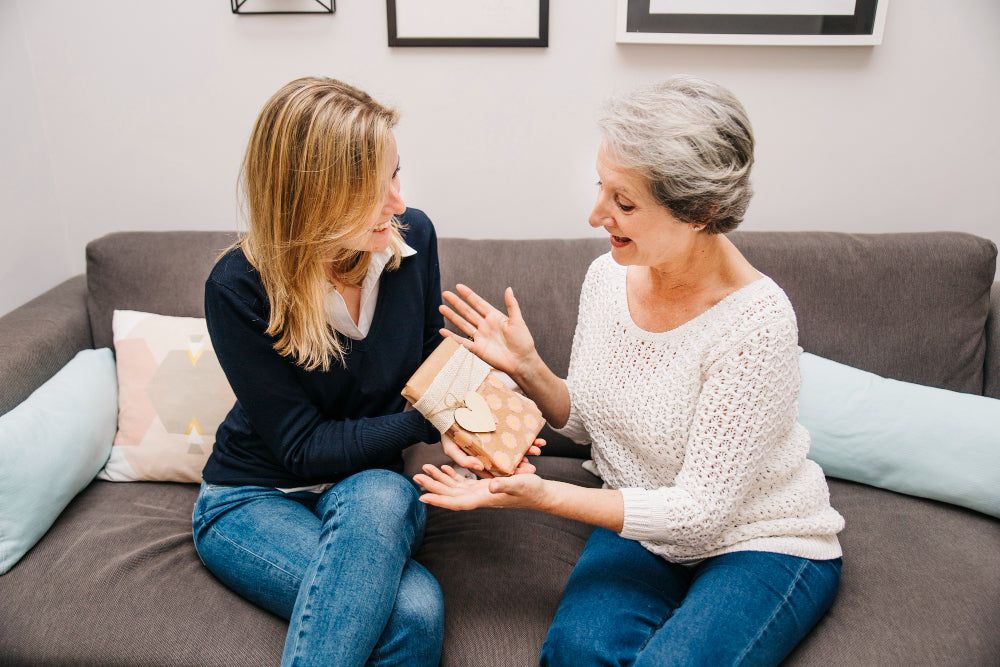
x,y
502,341
446,488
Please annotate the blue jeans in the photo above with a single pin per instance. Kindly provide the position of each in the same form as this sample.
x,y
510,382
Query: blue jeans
x,y
626,606
337,565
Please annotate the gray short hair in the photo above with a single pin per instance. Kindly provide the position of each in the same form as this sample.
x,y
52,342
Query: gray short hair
x,y
692,141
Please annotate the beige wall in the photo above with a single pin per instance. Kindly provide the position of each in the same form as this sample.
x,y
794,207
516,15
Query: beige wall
x,y
121,114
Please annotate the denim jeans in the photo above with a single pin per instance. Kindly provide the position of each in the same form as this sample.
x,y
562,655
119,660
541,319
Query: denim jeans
x,y
624,605
338,565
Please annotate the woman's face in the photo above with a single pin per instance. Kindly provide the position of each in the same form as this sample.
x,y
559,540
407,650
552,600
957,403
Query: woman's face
x,y
377,234
643,232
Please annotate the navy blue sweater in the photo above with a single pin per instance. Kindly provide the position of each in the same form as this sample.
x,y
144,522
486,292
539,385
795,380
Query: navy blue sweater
x,y
292,427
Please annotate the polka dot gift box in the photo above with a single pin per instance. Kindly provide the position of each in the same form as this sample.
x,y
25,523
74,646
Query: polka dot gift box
x,y
477,406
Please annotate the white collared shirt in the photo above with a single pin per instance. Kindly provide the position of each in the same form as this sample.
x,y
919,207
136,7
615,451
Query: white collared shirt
x,y
336,308
340,318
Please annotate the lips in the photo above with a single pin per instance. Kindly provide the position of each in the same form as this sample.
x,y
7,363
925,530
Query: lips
x,y
620,241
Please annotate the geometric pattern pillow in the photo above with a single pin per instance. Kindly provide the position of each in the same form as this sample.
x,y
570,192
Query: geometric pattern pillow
x,y
172,395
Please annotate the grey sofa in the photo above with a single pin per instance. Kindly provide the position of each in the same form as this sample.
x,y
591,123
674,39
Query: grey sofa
x,y
116,580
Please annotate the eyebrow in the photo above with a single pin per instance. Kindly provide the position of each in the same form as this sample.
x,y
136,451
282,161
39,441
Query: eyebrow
x,y
619,188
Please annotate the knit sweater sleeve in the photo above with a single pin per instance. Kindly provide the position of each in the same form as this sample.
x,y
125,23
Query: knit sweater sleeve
x,y
747,403
306,443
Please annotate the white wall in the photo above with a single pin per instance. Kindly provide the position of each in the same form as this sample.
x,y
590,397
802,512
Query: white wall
x,y
121,114
35,251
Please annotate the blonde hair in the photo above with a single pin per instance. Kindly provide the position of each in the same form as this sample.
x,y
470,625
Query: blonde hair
x,y
313,173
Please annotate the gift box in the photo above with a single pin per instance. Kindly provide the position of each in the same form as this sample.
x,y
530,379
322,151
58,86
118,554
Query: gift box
x,y
480,408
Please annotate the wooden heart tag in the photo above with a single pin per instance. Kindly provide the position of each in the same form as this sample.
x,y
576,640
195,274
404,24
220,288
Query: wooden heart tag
x,y
476,416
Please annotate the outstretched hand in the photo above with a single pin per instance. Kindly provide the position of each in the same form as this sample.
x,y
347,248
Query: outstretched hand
x,y
447,489
469,462
502,341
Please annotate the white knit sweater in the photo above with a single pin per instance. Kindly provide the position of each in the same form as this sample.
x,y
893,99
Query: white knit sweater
x,y
697,425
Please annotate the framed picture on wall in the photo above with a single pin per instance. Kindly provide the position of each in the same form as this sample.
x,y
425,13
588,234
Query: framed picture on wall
x,y
748,22
468,22
283,6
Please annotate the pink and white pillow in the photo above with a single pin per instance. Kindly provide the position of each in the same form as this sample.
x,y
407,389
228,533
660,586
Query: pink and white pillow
x,y
172,395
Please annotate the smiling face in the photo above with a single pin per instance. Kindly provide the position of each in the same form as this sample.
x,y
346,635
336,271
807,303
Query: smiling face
x,y
377,233
643,232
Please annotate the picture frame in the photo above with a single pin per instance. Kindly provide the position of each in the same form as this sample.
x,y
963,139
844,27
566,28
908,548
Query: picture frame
x,y
283,7
752,22
517,23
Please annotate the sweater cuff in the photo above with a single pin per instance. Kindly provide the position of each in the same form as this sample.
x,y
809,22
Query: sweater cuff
x,y
394,433
645,515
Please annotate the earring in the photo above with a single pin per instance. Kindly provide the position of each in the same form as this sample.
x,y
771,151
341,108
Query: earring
x,y
697,229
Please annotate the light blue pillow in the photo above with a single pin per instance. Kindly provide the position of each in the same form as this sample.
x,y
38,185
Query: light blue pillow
x,y
51,447
905,437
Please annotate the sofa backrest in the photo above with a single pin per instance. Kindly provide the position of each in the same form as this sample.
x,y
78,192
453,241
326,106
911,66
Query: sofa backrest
x,y
907,306
911,307
152,272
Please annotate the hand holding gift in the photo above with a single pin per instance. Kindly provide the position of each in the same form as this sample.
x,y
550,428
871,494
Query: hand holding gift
x,y
475,406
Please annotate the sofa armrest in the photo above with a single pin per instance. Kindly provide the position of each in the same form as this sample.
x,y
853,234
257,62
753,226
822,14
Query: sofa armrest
x,y
37,339
991,372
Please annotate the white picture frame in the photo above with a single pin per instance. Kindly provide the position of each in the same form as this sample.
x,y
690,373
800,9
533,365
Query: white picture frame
x,y
751,22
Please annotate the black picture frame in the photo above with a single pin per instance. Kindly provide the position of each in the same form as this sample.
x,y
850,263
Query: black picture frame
x,y
326,7
637,24
539,40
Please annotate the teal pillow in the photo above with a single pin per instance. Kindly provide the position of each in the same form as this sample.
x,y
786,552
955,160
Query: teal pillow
x,y
51,447
905,437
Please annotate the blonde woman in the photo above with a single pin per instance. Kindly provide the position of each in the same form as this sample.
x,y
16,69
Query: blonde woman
x,y
714,540
318,317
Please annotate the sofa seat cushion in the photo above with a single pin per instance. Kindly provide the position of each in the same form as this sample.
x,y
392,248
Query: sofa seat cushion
x,y
919,585
116,581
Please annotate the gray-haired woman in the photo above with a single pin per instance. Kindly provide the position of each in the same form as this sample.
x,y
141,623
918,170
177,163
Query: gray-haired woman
x,y
715,542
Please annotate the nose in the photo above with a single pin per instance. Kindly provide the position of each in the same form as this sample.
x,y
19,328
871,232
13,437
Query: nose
x,y
599,216
394,203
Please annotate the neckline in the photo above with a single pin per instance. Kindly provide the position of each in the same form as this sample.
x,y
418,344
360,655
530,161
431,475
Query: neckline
x,y
635,329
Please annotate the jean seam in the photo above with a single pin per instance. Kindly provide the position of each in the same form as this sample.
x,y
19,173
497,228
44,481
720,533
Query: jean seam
x,y
653,631
741,659
252,553
306,612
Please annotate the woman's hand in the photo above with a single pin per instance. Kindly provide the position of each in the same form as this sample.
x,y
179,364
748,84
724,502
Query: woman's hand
x,y
502,341
458,455
447,489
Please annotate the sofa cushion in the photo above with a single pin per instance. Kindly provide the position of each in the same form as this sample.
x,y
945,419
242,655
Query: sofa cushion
x,y
51,446
172,395
910,307
918,587
891,304
153,272
117,581
906,437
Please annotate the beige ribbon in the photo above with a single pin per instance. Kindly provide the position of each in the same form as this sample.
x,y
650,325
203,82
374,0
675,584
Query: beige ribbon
x,y
462,373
